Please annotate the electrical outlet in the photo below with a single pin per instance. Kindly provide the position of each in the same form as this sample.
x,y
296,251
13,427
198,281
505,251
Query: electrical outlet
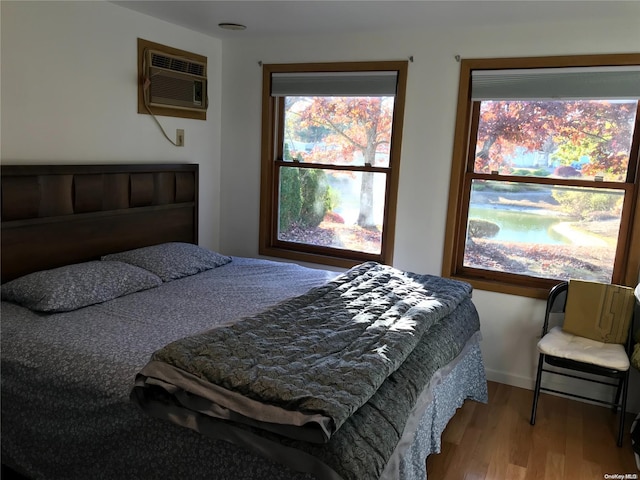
x,y
180,137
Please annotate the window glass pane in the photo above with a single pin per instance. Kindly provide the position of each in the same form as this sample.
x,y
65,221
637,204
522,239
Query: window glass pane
x,y
561,139
331,208
338,130
546,231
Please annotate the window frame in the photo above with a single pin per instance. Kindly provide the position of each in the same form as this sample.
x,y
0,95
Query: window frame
x,y
627,262
271,161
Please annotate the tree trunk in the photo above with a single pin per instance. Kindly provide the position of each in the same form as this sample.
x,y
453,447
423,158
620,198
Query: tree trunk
x,y
365,217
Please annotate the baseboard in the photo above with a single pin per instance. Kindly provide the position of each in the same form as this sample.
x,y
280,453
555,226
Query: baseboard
x,y
556,382
510,379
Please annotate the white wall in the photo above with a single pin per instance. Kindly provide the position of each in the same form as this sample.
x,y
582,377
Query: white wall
x,y
69,93
510,324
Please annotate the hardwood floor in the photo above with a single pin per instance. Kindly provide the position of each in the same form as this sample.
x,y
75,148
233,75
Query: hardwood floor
x,y
570,440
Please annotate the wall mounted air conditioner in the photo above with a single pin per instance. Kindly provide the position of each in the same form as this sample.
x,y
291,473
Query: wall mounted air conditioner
x,y
175,82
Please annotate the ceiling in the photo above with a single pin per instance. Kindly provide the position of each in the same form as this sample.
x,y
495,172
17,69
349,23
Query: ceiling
x,y
307,17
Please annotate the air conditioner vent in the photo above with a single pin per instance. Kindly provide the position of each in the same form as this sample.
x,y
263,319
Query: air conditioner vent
x,y
177,64
175,81
172,82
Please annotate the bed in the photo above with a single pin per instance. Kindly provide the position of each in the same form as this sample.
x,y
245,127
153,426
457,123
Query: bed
x,y
70,376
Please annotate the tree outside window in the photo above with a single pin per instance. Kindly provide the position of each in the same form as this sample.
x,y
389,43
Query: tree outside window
x,y
545,189
330,165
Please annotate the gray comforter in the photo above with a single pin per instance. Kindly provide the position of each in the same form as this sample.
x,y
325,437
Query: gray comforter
x,y
303,367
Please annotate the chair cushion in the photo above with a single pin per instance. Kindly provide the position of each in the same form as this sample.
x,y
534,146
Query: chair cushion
x,y
561,344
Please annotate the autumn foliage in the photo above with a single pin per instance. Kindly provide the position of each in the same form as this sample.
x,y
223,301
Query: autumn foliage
x,y
344,131
563,131
354,126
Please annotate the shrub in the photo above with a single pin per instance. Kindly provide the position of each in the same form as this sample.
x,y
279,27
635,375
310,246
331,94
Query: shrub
x,y
290,198
566,172
583,204
314,189
540,172
602,202
511,187
305,197
527,172
479,228
333,217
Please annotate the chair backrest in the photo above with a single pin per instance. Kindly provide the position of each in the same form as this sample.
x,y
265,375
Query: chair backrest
x,y
635,320
556,303
634,354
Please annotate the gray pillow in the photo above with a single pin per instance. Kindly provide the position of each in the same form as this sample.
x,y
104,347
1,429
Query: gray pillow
x,y
173,260
74,286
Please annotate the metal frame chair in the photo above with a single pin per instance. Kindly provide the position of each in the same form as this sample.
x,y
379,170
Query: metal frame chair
x,y
556,303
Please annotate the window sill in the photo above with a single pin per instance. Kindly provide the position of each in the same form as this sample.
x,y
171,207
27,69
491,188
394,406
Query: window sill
x,y
503,287
308,257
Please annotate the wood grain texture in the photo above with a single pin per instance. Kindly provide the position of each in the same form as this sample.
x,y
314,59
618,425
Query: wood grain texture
x,y
55,215
570,440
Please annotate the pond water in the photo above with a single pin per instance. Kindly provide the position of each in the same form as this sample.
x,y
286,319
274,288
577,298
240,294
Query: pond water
x,y
521,226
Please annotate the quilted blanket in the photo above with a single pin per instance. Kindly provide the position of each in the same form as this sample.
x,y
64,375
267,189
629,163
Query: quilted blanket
x,y
302,367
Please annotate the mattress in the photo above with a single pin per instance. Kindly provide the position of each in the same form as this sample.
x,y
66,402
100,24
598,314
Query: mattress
x,y
66,380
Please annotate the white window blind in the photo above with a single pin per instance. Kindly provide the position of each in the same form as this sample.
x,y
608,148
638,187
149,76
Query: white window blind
x,y
365,84
596,83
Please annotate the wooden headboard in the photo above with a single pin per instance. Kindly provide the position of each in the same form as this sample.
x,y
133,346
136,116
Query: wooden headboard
x,y
54,215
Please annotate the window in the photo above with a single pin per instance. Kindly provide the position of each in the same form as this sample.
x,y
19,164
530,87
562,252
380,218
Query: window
x,y
330,157
544,183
